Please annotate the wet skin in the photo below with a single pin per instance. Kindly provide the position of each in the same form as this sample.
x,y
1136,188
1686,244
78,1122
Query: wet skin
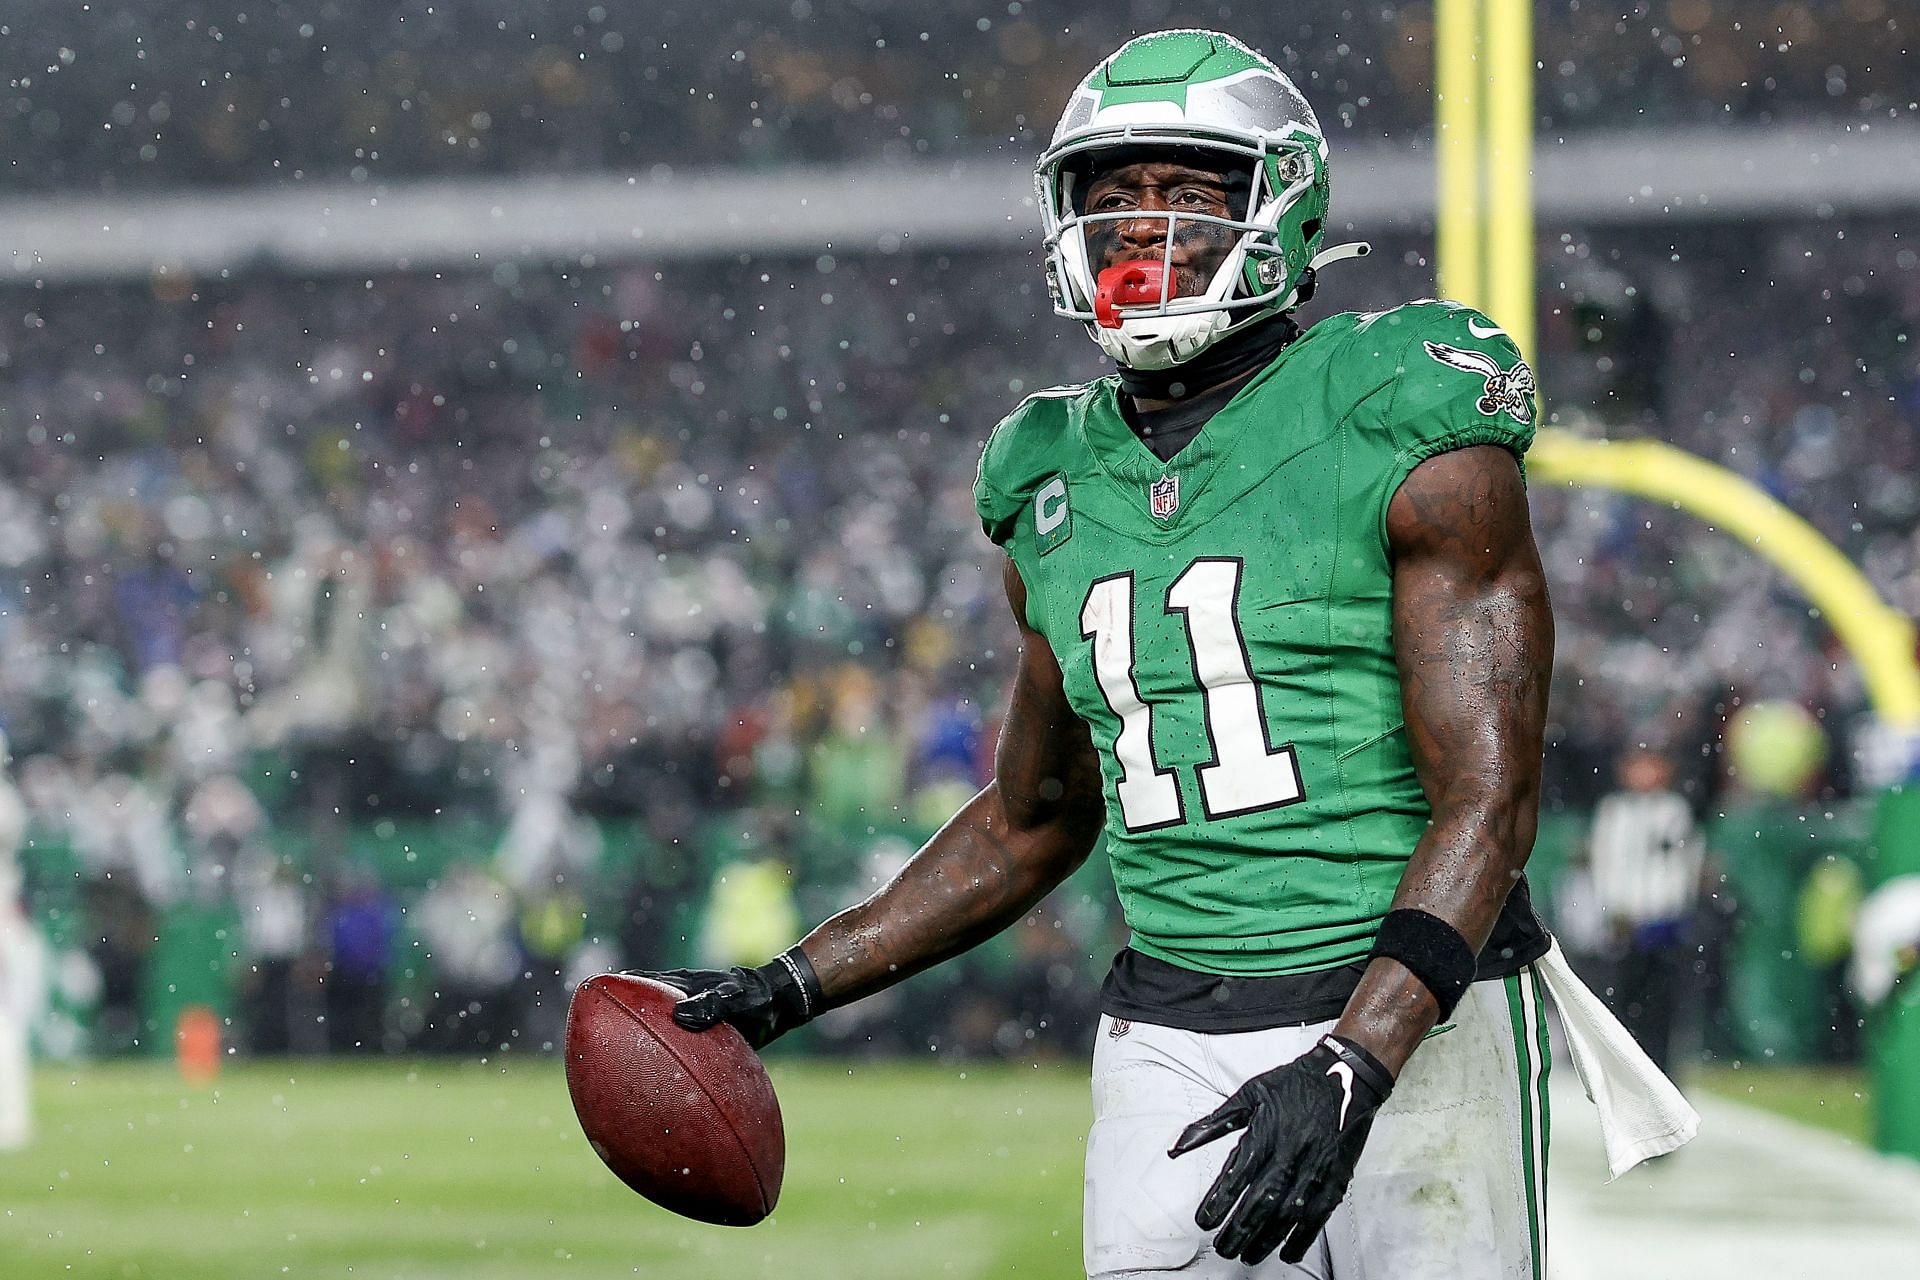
x,y
1160,187
1473,641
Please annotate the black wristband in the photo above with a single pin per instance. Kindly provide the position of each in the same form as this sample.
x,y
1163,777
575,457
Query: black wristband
x,y
1432,950
1366,1068
793,963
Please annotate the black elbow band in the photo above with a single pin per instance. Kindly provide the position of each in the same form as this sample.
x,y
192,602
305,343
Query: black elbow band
x,y
1432,950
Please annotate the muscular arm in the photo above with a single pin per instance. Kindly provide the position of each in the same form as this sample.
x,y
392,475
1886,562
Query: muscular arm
x,y
1473,638
998,856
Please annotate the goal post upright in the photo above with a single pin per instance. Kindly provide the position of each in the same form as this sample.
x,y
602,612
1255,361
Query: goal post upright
x,y
1484,257
1508,261
1458,221
1483,154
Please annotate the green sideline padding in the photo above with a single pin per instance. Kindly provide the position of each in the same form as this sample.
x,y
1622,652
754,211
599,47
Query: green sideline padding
x,y
194,958
1894,1064
193,962
1768,849
1896,836
1778,995
1894,1033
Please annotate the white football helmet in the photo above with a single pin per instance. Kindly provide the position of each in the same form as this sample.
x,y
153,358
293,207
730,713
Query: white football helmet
x,y
1192,90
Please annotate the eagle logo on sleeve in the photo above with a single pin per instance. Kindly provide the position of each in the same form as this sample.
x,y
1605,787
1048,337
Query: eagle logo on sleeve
x,y
1508,391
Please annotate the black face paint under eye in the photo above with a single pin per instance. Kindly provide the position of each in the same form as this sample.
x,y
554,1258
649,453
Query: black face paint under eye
x,y
1203,245
1208,244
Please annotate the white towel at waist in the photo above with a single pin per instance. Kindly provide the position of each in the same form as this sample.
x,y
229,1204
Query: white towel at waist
x,y
1642,1114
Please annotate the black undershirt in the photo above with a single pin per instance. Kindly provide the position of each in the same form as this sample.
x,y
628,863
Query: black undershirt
x,y
1229,359
1167,431
1141,988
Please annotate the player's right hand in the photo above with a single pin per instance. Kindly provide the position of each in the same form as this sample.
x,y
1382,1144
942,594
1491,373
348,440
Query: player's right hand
x,y
761,1004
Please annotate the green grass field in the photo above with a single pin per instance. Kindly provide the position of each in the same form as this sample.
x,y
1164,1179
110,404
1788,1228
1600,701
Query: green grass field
x,y
429,1169
1832,1098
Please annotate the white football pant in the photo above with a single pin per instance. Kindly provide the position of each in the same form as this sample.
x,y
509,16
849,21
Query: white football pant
x,y
1451,1186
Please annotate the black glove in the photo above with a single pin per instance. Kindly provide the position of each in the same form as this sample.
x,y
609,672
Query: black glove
x,y
761,1004
1306,1123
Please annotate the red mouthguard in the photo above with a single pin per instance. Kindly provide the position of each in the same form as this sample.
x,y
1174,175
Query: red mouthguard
x,y
1127,284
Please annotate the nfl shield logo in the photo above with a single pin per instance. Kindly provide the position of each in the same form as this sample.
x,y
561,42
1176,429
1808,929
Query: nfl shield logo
x,y
1163,497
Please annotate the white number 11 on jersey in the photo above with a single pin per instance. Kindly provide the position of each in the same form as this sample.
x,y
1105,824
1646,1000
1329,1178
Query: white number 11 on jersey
x,y
1245,773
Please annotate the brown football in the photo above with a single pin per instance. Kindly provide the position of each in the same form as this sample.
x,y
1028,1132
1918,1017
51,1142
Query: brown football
x,y
687,1119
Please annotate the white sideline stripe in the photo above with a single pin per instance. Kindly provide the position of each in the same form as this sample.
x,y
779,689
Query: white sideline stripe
x,y
1754,1197
1824,1151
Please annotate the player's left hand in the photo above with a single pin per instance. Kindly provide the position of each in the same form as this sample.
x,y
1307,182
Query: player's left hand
x,y
1305,1125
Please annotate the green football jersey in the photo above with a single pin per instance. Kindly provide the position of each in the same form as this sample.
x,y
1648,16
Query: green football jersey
x,y
1223,622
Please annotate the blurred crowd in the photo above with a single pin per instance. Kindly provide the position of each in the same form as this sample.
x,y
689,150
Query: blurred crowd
x,y
113,96
690,552
1786,354
540,552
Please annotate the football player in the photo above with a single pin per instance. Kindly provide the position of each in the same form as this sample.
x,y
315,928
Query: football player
x,y
1286,641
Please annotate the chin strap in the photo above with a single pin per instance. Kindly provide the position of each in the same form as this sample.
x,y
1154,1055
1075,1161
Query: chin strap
x,y
1139,283
1310,278
1339,253
1241,351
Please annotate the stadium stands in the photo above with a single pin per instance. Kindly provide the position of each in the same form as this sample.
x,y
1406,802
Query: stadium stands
x,y
321,597
111,99
529,564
